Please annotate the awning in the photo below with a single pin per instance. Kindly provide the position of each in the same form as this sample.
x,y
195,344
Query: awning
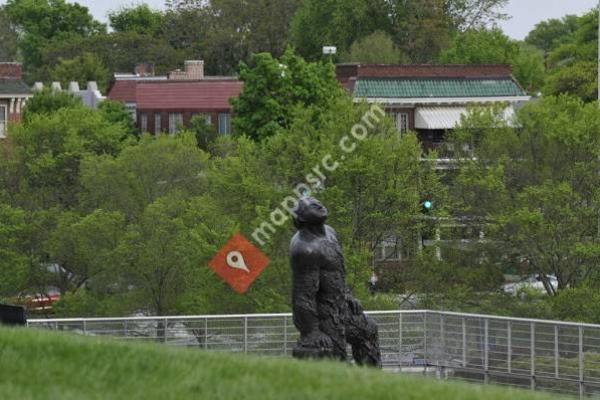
x,y
447,117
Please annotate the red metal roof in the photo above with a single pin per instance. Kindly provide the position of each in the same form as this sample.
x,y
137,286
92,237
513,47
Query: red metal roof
x,y
348,73
123,90
181,95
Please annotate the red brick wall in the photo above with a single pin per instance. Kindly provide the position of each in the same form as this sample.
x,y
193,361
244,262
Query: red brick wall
x,y
423,71
11,71
187,117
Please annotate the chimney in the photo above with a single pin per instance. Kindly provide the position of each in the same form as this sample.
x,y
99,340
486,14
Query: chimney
x,y
56,87
144,70
194,69
73,87
177,75
11,70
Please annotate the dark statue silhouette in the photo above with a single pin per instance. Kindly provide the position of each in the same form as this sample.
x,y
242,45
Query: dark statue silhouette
x,y
325,312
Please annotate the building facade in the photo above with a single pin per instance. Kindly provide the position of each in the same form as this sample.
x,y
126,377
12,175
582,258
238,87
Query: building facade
x,y
14,93
168,103
431,99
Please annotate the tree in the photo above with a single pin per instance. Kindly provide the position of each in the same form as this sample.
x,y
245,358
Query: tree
x,y
142,174
139,19
572,62
117,113
9,38
537,186
118,51
548,35
225,33
469,14
49,148
273,88
483,46
335,23
377,48
14,262
48,101
84,248
45,21
82,69
205,132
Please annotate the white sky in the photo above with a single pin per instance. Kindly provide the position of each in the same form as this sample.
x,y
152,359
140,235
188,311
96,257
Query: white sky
x,y
525,13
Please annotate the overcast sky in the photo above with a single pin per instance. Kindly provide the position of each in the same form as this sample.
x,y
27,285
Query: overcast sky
x,y
525,13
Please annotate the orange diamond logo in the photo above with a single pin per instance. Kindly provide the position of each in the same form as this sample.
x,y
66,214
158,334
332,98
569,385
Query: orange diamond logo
x,y
239,263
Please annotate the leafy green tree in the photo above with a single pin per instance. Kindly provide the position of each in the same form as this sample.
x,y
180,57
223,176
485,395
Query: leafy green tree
x,y
40,22
205,132
537,186
118,51
377,48
14,260
548,35
483,46
572,61
84,248
274,88
48,101
141,174
82,69
335,23
49,149
139,19
117,113
225,33
9,38
469,14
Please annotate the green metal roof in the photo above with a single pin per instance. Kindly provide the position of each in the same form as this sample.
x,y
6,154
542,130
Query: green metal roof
x,y
428,88
13,86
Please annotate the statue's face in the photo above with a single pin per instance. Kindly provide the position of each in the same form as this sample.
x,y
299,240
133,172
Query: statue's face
x,y
311,211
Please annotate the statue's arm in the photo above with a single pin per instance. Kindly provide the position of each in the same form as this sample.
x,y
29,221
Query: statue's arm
x,y
305,271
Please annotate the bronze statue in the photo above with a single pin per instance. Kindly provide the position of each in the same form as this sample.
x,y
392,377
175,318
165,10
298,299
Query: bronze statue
x,y
325,311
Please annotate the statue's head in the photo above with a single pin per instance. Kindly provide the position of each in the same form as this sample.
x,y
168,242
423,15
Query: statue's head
x,y
309,211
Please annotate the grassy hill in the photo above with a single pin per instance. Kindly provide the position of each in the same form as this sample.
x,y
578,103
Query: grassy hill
x,y
43,365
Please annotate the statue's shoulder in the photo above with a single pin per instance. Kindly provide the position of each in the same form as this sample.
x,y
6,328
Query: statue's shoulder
x,y
299,246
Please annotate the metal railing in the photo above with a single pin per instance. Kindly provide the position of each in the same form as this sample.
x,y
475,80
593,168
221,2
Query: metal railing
x,y
536,354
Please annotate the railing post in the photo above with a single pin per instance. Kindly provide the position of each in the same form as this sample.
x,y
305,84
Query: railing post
x,y
205,333
399,338
532,345
442,340
245,334
425,356
486,346
464,342
509,347
166,322
285,335
581,364
556,354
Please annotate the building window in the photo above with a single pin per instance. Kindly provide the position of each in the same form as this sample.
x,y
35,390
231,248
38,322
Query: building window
x,y
400,120
144,122
225,123
175,122
3,119
388,249
157,123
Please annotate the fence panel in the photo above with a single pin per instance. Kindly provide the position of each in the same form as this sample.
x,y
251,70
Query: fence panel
x,y
552,356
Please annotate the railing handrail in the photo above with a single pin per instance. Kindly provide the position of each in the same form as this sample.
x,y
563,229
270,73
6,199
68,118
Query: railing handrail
x,y
275,315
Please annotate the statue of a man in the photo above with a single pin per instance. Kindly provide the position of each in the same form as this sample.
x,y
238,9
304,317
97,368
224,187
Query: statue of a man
x,y
325,312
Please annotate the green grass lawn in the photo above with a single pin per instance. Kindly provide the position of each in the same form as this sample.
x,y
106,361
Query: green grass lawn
x,y
44,365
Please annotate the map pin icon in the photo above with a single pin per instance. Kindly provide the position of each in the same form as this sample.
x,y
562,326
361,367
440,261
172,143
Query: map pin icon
x,y
235,260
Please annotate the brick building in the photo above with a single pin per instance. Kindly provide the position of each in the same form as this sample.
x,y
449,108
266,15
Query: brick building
x,y
168,103
430,99
14,93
